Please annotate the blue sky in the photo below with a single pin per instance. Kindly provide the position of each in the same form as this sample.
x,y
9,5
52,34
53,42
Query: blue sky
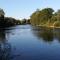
x,y
24,8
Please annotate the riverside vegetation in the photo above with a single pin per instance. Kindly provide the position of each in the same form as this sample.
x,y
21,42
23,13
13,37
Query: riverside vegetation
x,y
10,21
46,17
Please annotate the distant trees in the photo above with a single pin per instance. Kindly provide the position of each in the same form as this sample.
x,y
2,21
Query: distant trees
x,y
35,17
28,21
46,17
9,21
2,13
25,21
55,20
41,17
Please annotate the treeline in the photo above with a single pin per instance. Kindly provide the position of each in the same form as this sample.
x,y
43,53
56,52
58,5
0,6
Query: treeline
x,y
46,17
9,21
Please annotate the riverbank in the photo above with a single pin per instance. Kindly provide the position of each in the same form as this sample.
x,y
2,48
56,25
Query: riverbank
x,y
53,27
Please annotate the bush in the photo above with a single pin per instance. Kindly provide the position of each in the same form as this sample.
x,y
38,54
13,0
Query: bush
x,y
57,24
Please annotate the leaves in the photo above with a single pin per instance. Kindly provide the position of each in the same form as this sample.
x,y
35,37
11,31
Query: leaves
x,y
41,17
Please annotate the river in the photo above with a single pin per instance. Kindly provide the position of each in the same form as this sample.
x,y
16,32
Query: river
x,y
23,42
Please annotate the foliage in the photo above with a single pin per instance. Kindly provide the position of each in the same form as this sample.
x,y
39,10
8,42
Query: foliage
x,y
9,21
46,17
41,17
57,24
2,13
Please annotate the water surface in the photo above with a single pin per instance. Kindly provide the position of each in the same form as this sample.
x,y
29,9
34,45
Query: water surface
x,y
24,42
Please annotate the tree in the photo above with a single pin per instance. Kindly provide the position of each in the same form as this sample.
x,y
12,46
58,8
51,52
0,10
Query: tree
x,y
2,13
55,20
41,17
35,17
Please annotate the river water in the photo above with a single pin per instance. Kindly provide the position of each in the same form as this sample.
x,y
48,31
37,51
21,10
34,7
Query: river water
x,y
24,42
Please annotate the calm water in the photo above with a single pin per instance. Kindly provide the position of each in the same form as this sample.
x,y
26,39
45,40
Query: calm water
x,y
29,43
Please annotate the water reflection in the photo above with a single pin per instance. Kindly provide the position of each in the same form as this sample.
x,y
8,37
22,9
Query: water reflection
x,y
56,34
5,47
47,34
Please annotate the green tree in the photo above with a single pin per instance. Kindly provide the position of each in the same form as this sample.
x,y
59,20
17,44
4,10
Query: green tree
x,y
55,20
41,17
2,13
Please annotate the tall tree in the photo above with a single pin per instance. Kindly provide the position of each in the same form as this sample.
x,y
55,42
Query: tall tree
x,y
40,17
2,13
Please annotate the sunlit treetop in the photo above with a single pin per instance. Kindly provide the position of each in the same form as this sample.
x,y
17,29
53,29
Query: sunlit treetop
x,y
2,13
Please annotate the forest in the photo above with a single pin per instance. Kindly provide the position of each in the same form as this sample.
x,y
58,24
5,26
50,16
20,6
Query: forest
x,y
10,21
46,17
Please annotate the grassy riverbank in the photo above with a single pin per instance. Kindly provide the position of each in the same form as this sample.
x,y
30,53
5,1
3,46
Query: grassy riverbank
x,y
53,27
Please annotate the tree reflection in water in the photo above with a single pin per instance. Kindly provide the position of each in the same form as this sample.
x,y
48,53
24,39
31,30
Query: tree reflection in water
x,y
57,34
47,34
5,47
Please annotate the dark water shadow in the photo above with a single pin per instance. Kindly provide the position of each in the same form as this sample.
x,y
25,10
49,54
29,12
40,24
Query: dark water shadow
x,y
47,34
6,52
